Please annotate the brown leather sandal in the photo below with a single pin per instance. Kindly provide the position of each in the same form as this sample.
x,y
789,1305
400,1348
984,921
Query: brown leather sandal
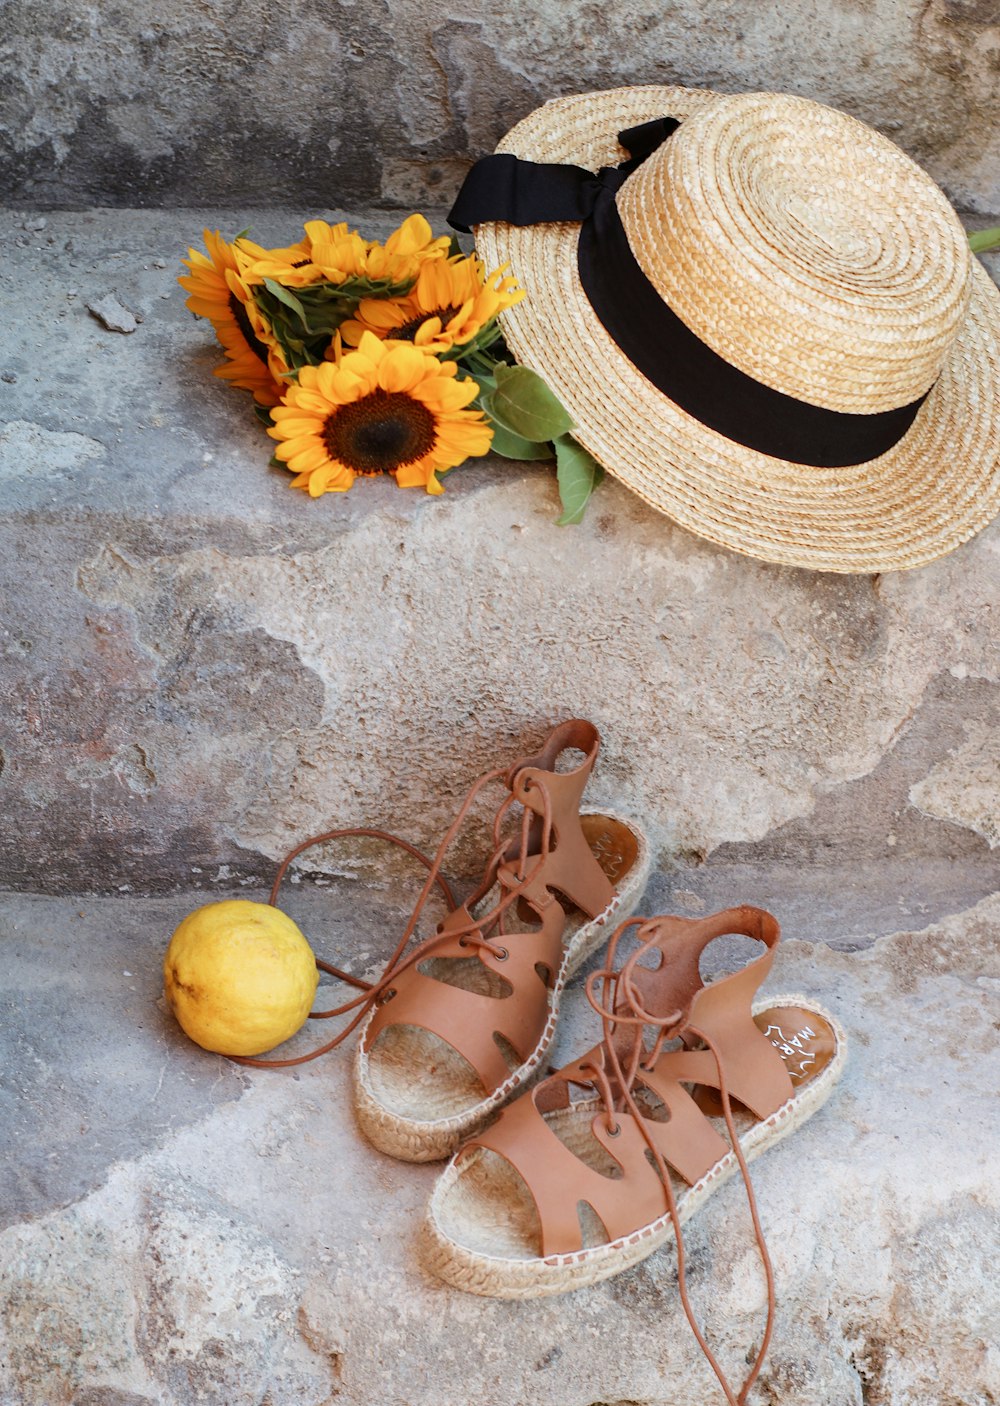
x,y
468,1017
558,1194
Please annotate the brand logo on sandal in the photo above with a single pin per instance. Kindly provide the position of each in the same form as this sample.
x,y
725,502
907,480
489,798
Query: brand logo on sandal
x,y
794,1049
611,859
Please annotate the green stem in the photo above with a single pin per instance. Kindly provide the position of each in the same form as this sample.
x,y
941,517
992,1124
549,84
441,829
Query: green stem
x,y
984,239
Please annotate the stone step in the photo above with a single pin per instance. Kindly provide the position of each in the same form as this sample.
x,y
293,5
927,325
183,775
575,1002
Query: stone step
x,y
200,667
178,1229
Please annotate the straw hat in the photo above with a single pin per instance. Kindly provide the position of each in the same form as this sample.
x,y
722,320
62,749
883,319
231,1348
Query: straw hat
x,y
814,258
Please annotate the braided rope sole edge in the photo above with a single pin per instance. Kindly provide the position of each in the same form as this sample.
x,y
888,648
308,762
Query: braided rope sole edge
x,y
496,1277
412,1139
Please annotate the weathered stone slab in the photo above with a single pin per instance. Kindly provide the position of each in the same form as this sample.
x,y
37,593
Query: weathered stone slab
x,y
199,667
240,1243
965,785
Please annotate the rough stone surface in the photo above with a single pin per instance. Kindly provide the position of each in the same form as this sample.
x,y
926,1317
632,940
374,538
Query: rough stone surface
x,y
223,101
113,313
226,1237
965,785
199,667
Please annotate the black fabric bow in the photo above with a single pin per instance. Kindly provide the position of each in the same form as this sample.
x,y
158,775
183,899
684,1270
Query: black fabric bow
x,y
504,188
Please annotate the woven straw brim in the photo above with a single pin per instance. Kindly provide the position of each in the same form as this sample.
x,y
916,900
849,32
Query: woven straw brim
x,y
932,491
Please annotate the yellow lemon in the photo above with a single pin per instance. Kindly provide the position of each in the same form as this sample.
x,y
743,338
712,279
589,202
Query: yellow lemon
x,y
239,977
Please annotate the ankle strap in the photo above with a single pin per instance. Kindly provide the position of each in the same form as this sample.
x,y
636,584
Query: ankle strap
x,y
677,984
576,733
554,797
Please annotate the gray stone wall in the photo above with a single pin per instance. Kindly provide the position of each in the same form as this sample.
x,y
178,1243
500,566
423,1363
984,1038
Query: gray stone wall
x,y
242,102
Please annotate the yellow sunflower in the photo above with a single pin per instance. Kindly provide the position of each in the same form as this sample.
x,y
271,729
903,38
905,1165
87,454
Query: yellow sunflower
x,y
386,408
449,304
414,241
291,266
334,253
340,253
219,293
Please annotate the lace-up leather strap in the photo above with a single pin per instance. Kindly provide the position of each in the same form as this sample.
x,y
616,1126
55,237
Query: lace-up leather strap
x,y
467,1020
523,884
721,1012
570,868
675,984
558,1180
577,734
740,1058
553,858
687,1139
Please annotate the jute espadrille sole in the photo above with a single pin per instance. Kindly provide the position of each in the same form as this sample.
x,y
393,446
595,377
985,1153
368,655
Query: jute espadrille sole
x,y
499,1268
412,1108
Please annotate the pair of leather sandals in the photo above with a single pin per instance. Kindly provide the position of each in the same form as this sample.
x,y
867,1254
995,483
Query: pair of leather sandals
x,y
559,1181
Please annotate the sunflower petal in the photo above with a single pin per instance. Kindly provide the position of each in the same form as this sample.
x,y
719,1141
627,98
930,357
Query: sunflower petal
x,y
446,396
307,460
290,425
288,448
402,369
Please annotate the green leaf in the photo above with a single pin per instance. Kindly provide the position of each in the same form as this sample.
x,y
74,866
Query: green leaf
x,y
480,367
263,415
511,446
358,286
283,296
506,442
523,404
299,346
984,239
487,384
578,474
275,463
304,322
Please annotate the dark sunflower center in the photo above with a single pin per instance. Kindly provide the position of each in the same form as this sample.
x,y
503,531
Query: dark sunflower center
x,y
239,312
380,433
409,330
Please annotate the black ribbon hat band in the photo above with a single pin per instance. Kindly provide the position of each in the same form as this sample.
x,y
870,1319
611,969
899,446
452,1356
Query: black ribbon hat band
x,y
505,188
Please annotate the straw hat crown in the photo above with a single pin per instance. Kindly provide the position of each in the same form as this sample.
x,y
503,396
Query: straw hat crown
x,y
804,248
809,253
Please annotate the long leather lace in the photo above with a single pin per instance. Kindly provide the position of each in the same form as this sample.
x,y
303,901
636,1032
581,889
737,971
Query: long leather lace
x,y
470,934
619,1005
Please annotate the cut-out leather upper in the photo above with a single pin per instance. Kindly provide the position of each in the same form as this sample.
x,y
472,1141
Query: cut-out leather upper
x,y
553,869
742,1058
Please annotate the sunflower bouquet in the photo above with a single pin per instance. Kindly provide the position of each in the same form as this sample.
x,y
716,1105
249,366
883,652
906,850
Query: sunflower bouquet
x,y
368,357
